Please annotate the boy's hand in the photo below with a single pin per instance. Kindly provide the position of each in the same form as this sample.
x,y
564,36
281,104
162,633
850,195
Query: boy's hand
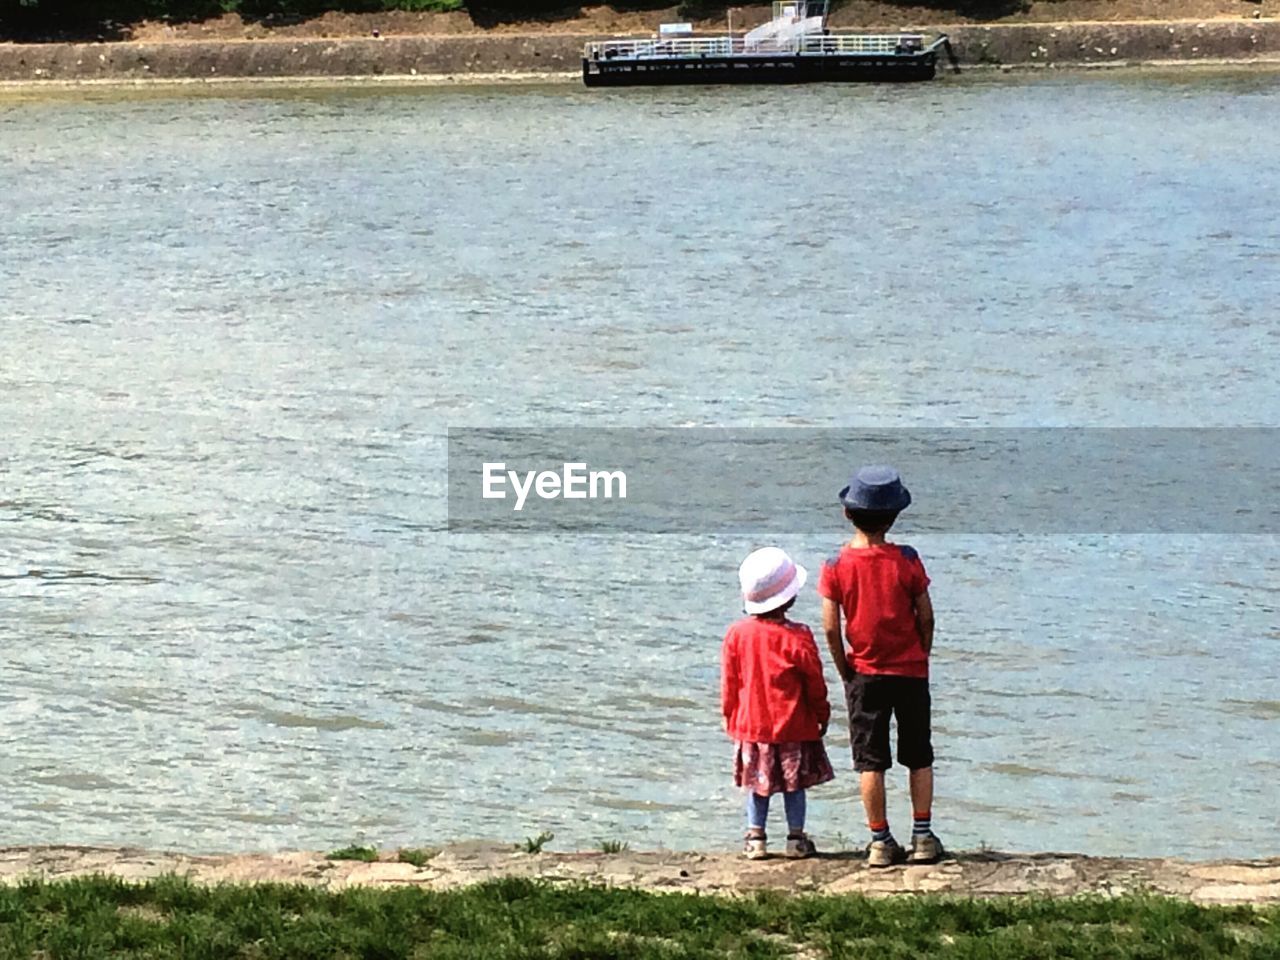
x,y
924,621
835,640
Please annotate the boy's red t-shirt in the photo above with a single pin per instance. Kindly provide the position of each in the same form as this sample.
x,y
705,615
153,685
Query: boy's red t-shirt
x,y
876,588
771,684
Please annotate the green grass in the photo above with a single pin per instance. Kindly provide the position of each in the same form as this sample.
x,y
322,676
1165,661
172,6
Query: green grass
x,y
535,844
523,920
614,846
418,856
354,852
430,6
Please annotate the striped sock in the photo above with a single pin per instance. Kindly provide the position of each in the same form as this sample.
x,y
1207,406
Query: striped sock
x,y
880,831
921,826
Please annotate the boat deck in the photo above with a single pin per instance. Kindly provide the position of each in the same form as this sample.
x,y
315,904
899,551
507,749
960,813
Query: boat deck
x,y
815,57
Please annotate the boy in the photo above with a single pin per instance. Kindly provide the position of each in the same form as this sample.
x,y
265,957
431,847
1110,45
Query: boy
x,y
882,591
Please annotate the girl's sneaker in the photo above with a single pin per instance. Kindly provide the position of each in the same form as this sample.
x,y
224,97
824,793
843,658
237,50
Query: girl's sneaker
x,y
799,846
753,847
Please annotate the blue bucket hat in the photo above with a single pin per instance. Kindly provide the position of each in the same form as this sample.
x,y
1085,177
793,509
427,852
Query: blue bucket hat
x,y
876,488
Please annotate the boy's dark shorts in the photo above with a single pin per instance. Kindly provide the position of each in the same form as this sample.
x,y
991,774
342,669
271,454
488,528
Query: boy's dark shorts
x,y
872,698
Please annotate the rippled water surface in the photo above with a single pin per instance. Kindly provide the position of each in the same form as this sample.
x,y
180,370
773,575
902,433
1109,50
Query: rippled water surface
x,y
236,327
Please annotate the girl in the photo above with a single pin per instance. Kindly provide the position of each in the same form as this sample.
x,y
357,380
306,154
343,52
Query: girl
x,y
774,700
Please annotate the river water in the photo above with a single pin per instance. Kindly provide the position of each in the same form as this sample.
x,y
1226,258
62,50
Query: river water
x,y
237,324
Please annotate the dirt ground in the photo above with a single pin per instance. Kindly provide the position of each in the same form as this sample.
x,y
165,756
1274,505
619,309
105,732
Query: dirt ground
x,y
604,21
979,874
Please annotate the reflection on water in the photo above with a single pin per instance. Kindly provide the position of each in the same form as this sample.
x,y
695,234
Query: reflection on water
x,y
235,329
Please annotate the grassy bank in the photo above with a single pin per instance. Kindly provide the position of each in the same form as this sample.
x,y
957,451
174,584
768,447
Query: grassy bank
x,y
64,21
98,917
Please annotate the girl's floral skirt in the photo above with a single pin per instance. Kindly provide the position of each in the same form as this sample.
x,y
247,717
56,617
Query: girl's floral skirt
x,y
766,768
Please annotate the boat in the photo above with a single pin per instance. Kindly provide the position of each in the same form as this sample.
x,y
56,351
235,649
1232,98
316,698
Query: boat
x,y
793,47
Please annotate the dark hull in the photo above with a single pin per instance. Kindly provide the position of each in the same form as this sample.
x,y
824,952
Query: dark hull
x,y
781,68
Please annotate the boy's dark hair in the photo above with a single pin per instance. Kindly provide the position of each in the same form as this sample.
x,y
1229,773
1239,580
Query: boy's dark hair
x,y
871,521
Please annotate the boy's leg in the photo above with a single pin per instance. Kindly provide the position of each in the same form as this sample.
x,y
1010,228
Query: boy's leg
x,y
873,802
922,794
869,711
913,708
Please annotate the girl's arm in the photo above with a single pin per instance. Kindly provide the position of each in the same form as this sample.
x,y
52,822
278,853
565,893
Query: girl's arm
x,y
814,683
728,680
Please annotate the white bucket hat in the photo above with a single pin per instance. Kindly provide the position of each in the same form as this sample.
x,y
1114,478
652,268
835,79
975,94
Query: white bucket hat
x,y
769,578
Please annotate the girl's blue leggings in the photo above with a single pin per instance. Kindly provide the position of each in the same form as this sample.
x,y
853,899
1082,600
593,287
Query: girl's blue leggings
x,y
758,810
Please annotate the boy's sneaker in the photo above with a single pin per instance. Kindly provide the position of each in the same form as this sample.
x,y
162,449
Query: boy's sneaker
x,y
800,847
925,848
885,853
753,847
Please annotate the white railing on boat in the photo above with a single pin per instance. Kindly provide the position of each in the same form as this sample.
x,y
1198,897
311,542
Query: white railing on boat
x,y
862,43
695,47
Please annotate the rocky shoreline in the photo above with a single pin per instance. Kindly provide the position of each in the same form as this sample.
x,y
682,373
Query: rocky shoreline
x,y
551,55
975,874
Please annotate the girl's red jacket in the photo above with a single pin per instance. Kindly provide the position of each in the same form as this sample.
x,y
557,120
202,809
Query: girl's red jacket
x,y
771,684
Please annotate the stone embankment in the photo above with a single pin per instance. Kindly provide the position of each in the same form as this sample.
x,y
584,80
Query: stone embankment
x,y
460,56
984,874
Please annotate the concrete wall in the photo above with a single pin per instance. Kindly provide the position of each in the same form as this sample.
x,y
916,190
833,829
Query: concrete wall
x,y
291,58
1137,42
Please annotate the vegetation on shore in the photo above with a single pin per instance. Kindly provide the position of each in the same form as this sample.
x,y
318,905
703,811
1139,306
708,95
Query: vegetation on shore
x,y
535,844
354,852
98,917
417,856
51,20
57,18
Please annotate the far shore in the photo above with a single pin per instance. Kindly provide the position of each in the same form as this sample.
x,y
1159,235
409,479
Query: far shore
x,y
221,85
967,874
214,85
550,57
